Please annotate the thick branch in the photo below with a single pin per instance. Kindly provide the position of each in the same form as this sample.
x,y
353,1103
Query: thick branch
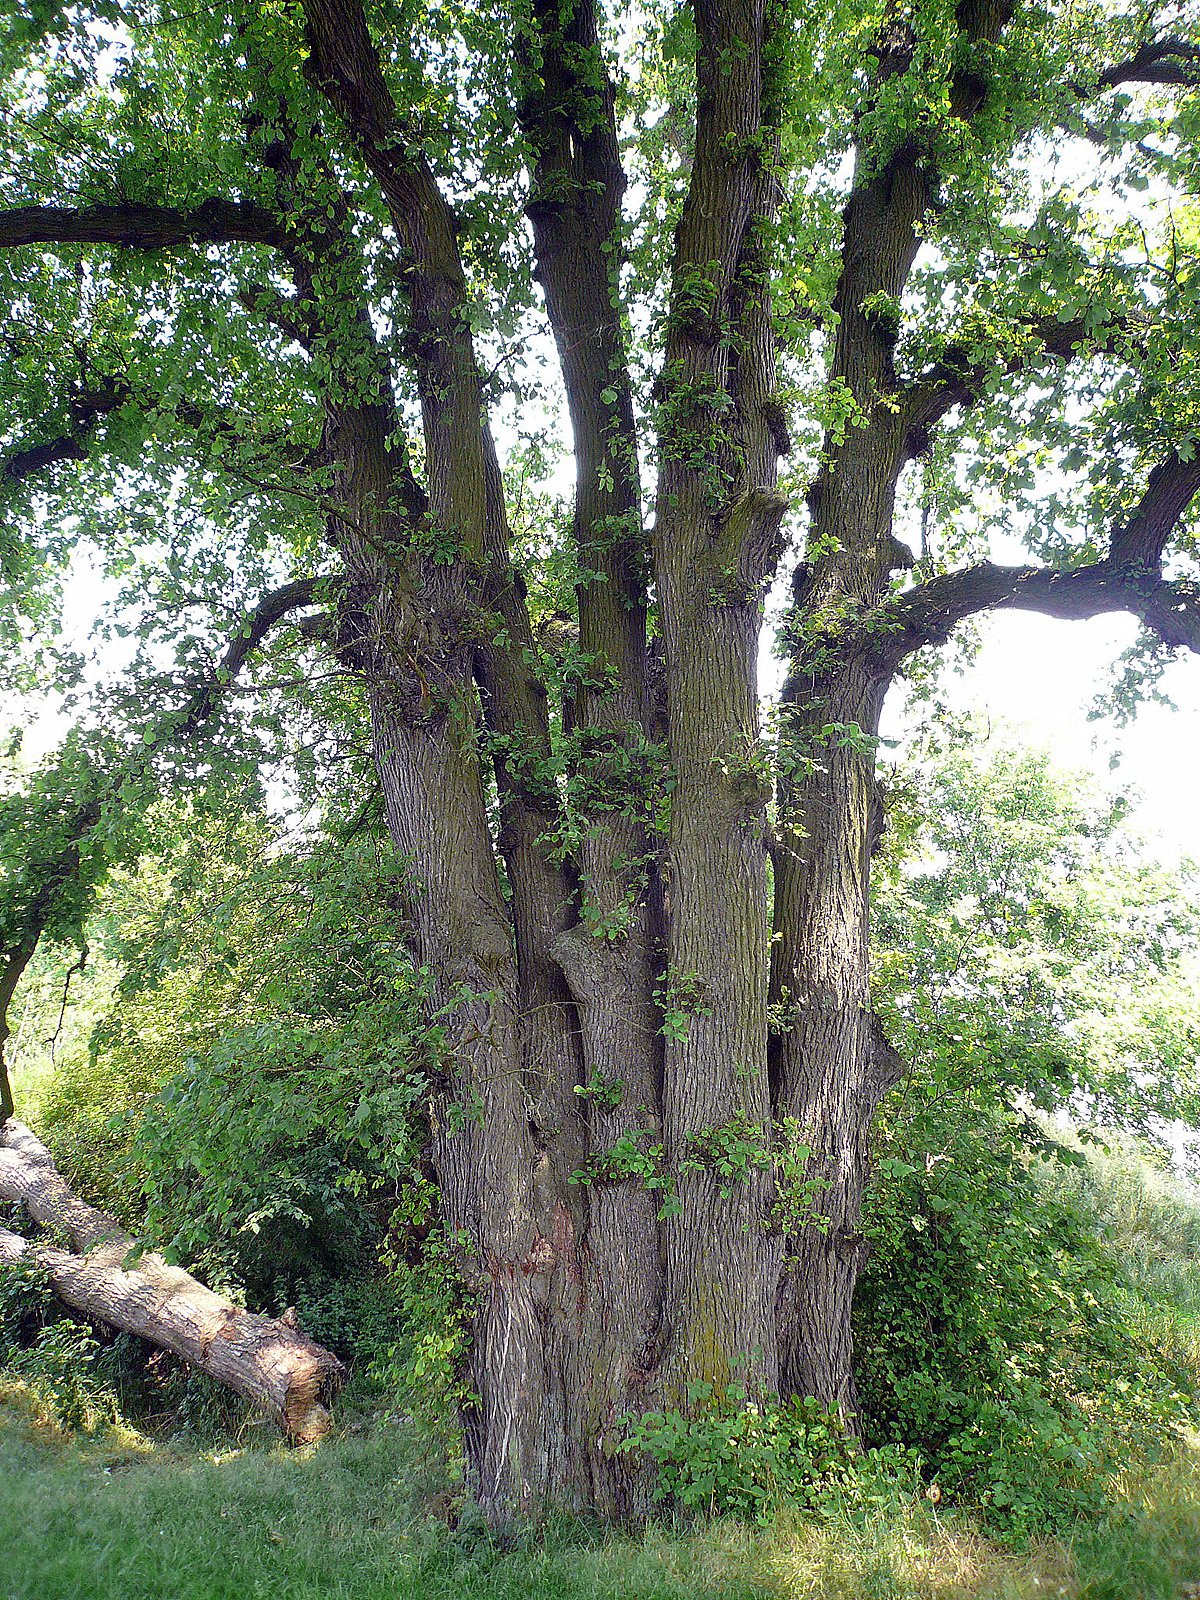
x,y
574,208
1140,542
1128,579
888,1067
270,610
720,339
86,409
1162,61
853,496
466,491
733,145
142,227
345,65
929,614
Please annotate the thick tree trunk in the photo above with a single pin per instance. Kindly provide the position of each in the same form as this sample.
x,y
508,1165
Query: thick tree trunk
x,y
267,1360
12,967
826,1062
606,952
587,1307
414,646
560,1320
716,542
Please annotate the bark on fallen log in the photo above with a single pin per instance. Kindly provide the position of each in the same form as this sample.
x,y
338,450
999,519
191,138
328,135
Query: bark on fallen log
x,y
264,1358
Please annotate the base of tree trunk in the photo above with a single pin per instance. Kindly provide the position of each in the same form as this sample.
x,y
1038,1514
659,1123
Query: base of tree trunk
x,y
266,1359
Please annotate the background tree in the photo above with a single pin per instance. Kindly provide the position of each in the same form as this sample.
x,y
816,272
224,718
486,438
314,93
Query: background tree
x,y
254,256
1034,965
1028,955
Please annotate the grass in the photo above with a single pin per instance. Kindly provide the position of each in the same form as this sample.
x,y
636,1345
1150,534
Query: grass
x,y
1150,1218
113,1517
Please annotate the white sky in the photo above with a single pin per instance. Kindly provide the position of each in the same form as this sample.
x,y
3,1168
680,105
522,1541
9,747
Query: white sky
x,y
1039,676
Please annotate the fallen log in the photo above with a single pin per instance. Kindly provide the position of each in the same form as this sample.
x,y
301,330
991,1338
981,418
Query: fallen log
x,y
267,1359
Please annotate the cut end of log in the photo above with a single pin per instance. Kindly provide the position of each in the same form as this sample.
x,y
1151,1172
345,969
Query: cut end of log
x,y
307,1416
303,1375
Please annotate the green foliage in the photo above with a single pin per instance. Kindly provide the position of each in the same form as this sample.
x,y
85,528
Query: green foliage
x,y
255,1099
681,997
995,1322
796,1191
633,1157
56,1357
732,1455
602,1091
423,1372
1147,1215
730,1151
1053,959
994,1336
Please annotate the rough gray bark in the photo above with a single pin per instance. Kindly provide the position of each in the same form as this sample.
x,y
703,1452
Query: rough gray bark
x,y
574,208
847,638
105,1277
716,541
823,1066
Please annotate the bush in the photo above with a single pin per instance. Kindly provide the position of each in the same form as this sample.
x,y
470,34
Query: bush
x,y
252,1104
746,1458
58,1359
994,1335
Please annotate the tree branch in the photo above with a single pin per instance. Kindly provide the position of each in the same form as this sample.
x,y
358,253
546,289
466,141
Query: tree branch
x,y
720,337
143,227
344,64
1160,61
57,874
256,625
1139,543
1128,579
733,139
953,382
929,614
290,315
466,488
271,609
574,209
87,409
888,1067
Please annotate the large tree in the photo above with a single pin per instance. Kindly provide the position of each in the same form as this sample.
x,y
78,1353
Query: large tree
x,y
266,270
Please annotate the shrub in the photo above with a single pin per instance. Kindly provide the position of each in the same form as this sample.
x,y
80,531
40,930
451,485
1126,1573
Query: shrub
x,y
994,1336
744,1457
57,1358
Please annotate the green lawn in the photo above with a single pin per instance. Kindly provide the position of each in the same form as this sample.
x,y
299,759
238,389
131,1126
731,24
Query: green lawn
x,y
114,1518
